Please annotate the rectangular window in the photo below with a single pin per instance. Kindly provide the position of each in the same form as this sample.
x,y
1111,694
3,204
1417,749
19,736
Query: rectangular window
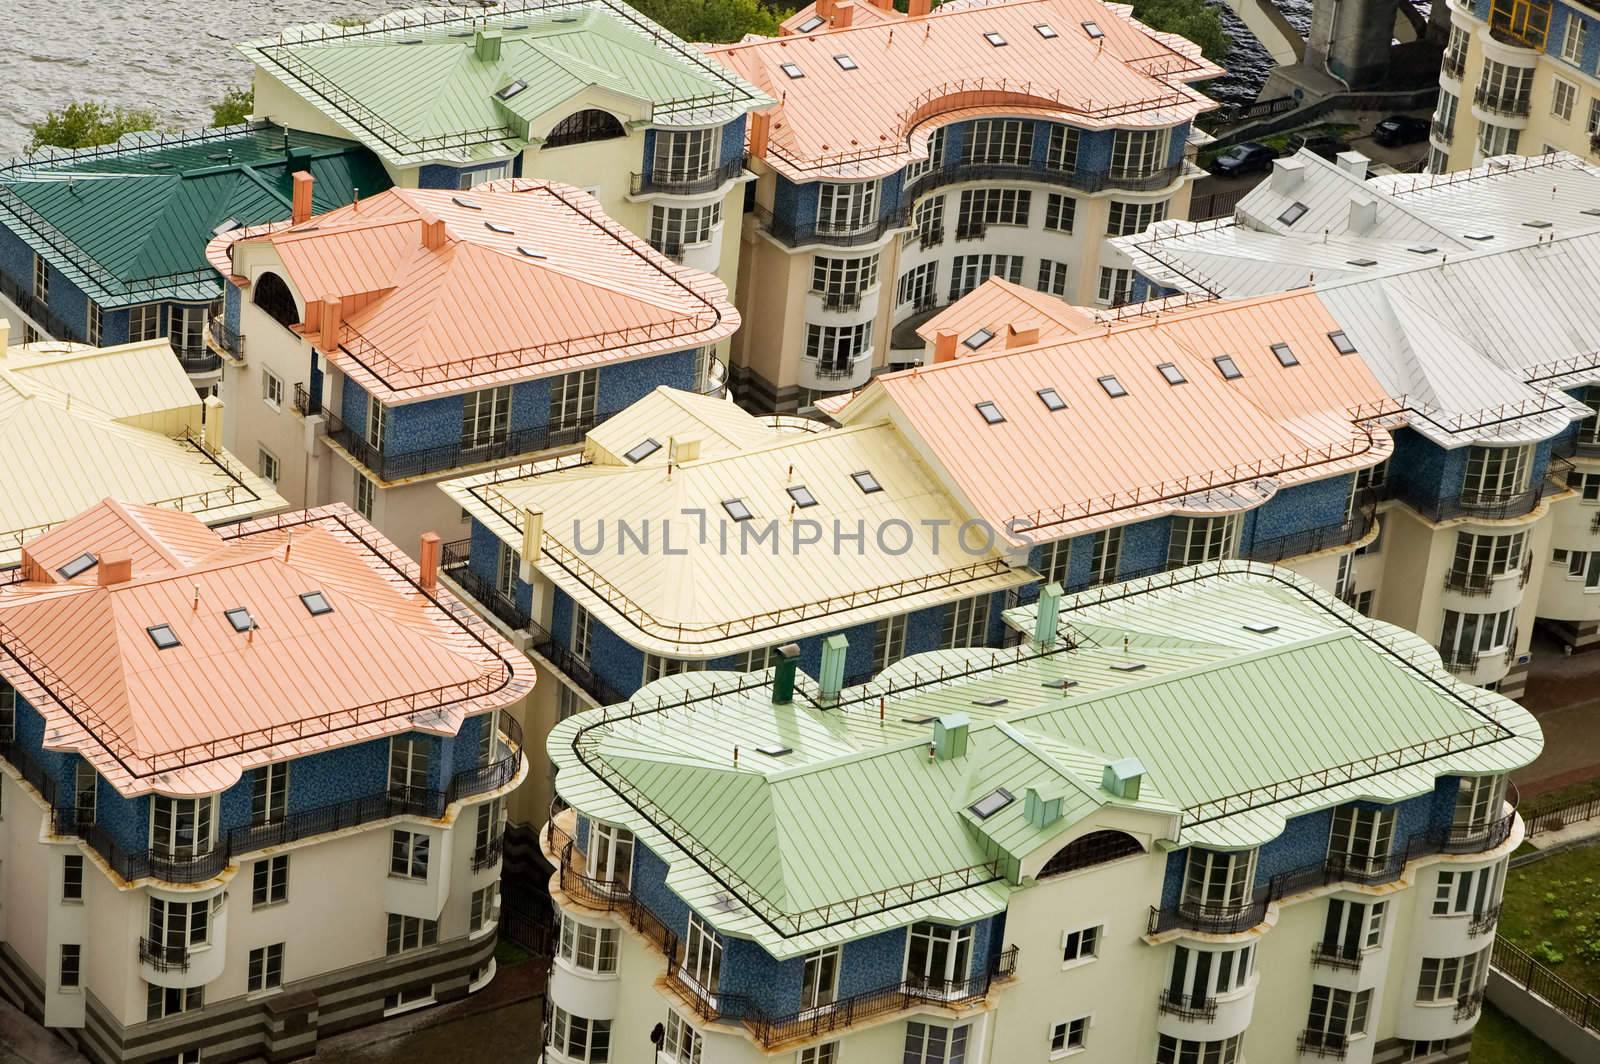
x,y
1336,1016
1443,978
1497,140
1563,97
888,642
95,326
1526,21
1105,555
685,154
582,633
486,832
578,1039
702,958
1495,473
1059,212
1069,1035
408,854
272,390
584,946
841,281
657,666
1082,944
1062,153
72,877
835,349
1052,277
572,400
481,912
683,1044
966,623
1361,838
826,1053
269,881
366,491
1000,141
674,228
176,926
1138,153
269,794
939,956
611,855
1055,561
934,160
969,271
1171,1050
982,207
927,223
486,417
1574,38
409,933
408,765
188,332
918,286
170,1001
180,827
71,955
1130,218
144,323
86,783
844,208
265,968
41,279
1201,539
933,1043
1217,881
1116,286
267,464
1479,802
819,978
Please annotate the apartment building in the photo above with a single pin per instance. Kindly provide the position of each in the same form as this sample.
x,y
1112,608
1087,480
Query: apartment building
x,y
79,424
1491,521
584,92
107,245
427,333
1206,816
1519,77
911,157
252,781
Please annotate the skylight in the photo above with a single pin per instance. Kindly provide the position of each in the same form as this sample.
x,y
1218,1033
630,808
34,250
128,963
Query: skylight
x,y
1286,355
990,412
1363,262
493,228
463,202
995,39
1045,30
1537,225
511,90
978,339
1591,210
77,566
811,23
1293,213
845,62
1093,30
1423,249
1341,342
1128,666
990,703
642,450
802,496
1113,387
163,636
991,803
737,509
1052,399
240,618
792,71
1173,374
316,603
866,482
1229,368
774,750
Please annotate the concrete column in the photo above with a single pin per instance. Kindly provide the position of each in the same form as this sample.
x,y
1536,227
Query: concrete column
x,y
1352,38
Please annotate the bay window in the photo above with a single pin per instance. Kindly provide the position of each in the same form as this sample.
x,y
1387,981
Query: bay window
x,y
1000,141
1138,153
1447,978
685,154
1361,838
1468,636
1171,1050
180,827
1495,473
590,948
579,1039
1336,1016
1217,882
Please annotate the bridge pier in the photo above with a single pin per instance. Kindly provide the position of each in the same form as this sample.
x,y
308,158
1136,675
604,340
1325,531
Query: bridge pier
x,y
1351,37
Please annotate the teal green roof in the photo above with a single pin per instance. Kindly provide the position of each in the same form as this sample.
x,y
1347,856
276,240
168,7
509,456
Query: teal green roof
x,y
415,87
854,828
129,223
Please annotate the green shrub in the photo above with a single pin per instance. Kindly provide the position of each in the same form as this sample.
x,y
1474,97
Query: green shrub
x,y
87,124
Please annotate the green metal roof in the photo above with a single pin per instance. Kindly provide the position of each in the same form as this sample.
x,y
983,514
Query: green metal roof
x,y
855,829
128,223
415,87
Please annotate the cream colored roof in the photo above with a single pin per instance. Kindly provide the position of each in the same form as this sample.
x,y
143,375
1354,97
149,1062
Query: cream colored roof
x,y
78,424
671,414
706,585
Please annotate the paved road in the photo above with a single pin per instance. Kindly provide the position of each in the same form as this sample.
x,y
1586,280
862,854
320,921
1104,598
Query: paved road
x,y
1564,694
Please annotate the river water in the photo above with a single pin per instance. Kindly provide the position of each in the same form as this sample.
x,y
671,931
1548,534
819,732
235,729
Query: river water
x,y
176,56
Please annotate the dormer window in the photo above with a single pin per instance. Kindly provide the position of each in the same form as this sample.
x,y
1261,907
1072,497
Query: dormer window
x,y
316,603
991,413
77,566
163,636
642,450
240,618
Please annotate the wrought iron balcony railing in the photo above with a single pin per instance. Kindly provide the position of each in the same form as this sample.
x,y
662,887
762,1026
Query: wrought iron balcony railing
x,y
687,182
1511,104
224,339
1335,955
1187,1007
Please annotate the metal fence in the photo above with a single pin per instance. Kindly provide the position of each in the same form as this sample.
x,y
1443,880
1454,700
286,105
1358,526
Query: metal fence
x,y
1517,965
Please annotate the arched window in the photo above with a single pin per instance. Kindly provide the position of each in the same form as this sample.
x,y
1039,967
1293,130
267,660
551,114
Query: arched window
x,y
273,296
584,126
1097,847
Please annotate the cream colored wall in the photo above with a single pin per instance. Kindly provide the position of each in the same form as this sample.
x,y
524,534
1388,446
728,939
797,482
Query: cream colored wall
x,y
251,422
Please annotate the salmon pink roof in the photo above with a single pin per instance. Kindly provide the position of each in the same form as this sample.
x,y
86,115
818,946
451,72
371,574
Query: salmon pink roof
x,y
118,633
861,101
1191,411
823,15
524,279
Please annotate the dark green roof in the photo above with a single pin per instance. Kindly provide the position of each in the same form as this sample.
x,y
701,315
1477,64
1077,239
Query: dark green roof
x,y
129,223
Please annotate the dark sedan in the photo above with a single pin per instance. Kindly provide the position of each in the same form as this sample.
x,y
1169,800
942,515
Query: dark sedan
x,y
1400,129
1241,159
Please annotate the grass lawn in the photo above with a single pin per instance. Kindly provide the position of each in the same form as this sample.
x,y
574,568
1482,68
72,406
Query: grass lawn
x,y
1498,1040
509,954
1552,910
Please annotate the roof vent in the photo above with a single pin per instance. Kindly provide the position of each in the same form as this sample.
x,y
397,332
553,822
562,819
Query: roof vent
x,y
1041,811
783,674
1286,174
1047,615
830,678
115,568
1352,163
486,46
950,736
1260,627
1363,214
1122,778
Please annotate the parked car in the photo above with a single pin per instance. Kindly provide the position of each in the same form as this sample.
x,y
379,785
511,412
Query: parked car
x,y
1321,144
1241,159
1396,130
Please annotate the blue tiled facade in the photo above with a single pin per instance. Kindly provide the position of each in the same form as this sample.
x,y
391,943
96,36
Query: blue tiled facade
x,y
1560,15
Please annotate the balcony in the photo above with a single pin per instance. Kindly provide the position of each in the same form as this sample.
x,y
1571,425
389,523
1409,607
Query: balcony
x,y
302,401
1458,661
1312,540
389,466
1187,1007
23,299
1465,582
1487,506
786,231
1483,922
1079,180
1322,1044
225,340
1511,104
842,301
1467,1006
1442,133
1234,919
687,182
488,855
197,359
163,958
1334,955
971,231
1454,65
931,236
832,369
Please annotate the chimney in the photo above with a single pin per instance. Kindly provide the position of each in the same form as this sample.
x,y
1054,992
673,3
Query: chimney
x,y
683,451
211,424
760,132
301,208
312,325
1287,174
433,234
944,347
1353,163
918,8
331,320
1016,337
783,674
950,736
486,46
825,8
1047,615
1363,214
844,15
116,567
430,560
532,543
831,678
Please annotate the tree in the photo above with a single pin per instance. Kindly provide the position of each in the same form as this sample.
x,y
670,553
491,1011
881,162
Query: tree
x,y
234,107
1194,19
87,124
711,20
